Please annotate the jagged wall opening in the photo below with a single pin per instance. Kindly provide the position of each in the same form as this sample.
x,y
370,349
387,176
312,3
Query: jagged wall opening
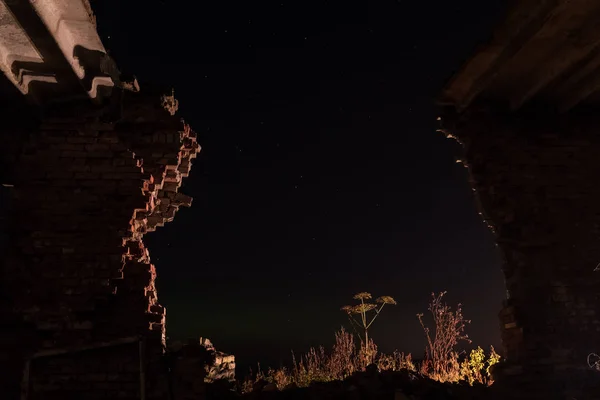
x,y
534,173
89,182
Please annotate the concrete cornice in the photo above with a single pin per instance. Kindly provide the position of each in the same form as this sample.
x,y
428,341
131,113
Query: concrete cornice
x,y
544,52
53,46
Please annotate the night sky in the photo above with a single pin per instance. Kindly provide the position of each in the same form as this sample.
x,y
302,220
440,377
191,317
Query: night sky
x,y
321,173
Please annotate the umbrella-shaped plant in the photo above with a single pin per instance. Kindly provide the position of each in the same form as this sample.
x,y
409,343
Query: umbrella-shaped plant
x,y
364,314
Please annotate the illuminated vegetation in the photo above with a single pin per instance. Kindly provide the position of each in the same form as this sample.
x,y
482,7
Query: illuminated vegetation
x,y
364,310
443,361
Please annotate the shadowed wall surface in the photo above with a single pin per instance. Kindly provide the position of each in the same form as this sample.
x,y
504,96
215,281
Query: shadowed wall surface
x,y
524,108
85,190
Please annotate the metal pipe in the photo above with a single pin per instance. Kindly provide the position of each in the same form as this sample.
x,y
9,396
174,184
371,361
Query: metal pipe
x,y
77,349
168,358
142,347
25,383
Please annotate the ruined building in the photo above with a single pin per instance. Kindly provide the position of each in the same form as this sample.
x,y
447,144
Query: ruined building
x,y
525,107
89,164
90,161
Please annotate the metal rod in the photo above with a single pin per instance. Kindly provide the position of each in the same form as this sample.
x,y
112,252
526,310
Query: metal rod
x,y
25,382
76,349
142,345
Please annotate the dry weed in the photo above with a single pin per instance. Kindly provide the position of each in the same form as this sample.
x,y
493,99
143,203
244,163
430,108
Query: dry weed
x,y
441,361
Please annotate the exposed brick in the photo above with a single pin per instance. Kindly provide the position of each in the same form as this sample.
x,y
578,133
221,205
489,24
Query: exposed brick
x,y
80,184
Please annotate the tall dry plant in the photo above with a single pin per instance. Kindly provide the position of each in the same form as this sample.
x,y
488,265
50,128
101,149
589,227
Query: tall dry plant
x,y
342,361
312,367
367,355
441,357
364,310
281,377
396,361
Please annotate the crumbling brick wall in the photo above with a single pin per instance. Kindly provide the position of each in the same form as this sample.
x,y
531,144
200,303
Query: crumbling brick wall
x,y
195,363
535,175
89,182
